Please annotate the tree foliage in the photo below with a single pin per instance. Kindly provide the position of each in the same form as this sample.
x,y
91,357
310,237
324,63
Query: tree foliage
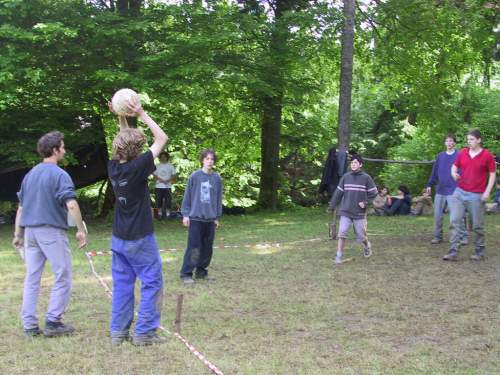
x,y
256,80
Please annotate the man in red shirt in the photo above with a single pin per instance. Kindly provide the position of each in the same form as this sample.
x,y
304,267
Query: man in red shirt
x,y
474,170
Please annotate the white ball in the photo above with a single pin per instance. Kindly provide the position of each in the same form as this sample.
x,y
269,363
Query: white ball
x,y
121,100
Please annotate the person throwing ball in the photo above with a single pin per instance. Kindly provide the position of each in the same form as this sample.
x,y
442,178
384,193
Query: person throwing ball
x,y
201,209
354,192
133,243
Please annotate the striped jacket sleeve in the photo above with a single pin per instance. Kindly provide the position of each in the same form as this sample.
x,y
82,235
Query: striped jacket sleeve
x,y
337,195
371,189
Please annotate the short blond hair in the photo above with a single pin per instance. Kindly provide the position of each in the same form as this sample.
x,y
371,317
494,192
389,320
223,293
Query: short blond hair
x,y
128,144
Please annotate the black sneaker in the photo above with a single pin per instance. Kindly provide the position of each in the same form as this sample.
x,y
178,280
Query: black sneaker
x,y
53,329
367,251
452,255
149,339
32,332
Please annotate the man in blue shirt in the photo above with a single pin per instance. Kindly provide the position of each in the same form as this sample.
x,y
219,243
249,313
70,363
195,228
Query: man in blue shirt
x,y
441,175
46,197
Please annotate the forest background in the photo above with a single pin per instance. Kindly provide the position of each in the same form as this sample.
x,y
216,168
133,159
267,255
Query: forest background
x,y
229,74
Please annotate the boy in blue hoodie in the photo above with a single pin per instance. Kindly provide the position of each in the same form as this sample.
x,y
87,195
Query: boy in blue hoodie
x,y
201,209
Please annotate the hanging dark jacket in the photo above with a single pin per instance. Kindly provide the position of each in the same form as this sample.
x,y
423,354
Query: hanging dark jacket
x,y
330,178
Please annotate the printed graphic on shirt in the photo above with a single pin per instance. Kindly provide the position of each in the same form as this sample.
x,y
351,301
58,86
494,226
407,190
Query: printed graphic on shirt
x,y
205,192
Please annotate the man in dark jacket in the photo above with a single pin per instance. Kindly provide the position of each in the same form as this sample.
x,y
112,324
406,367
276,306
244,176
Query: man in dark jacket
x,y
355,191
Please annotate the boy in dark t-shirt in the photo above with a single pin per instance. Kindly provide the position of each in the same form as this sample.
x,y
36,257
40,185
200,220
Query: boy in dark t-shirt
x,y
134,247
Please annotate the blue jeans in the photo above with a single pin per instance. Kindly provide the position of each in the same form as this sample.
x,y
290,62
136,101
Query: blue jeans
x,y
461,201
199,249
136,259
439,204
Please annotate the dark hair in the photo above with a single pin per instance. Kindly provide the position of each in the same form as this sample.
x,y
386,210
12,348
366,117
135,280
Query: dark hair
x,y
452,136
380,188
164,153
404,189
48,142
358,158
207,152
475,133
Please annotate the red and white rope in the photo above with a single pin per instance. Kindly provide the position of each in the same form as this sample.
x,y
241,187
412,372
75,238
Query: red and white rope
x,y
191,348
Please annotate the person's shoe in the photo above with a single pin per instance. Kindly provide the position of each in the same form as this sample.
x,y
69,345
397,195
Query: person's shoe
x,y
118,340
436,240
367,251
452,255
53,329
464,242
188,280
32,332
477,256
149,339
338,260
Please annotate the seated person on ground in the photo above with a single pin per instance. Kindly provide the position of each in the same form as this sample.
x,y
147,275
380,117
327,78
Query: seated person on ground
x,y
379,202
422,205
399,204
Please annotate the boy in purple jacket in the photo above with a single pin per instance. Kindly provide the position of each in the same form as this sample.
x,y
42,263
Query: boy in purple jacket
x,y
354,192
441,175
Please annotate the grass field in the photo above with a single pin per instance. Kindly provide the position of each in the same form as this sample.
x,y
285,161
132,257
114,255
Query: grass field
x,y
282,309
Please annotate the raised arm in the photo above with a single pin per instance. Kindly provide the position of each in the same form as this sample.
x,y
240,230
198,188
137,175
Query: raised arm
x,y
160,138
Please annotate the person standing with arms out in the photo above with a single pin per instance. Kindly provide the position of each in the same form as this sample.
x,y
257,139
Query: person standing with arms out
x,y
164,176
475,181
354,192
441,175
133,243
201,210
46,198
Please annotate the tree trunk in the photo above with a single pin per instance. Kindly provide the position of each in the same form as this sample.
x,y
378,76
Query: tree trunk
x,y
272,105
343,132
270,151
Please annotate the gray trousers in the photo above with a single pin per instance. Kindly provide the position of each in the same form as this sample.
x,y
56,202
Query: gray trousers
x,y
461,201
41,244
439,204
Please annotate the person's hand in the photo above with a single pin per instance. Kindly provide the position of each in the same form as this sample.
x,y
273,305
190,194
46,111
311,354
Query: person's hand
x,y
135,108
428,190
362,204
455,176
485,196
185,221
217,224
17,242
81,238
